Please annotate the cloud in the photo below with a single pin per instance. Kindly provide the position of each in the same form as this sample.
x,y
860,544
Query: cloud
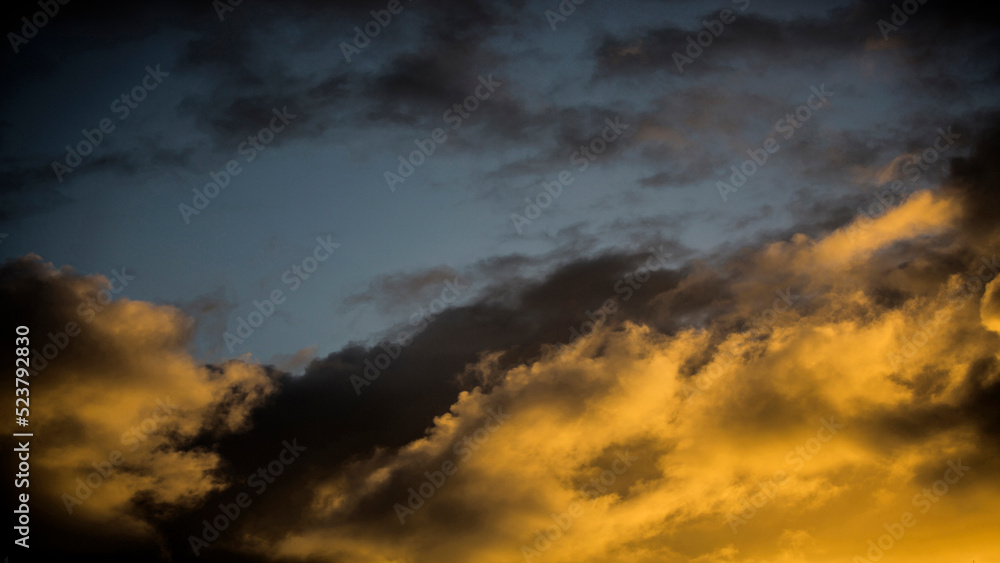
x,y
717,372
907,384
713,411
394,291
294,362
117,392
857,365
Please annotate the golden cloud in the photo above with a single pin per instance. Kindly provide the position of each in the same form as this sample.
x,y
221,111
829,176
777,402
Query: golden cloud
x,y
847,421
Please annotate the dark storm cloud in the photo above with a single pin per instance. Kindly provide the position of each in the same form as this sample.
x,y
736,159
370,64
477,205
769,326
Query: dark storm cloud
x,y
432,75
976,179
324,411
937,35
429,80
239,55
933,44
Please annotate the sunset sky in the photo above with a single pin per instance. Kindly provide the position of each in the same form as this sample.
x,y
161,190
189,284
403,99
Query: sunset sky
x,y
478,281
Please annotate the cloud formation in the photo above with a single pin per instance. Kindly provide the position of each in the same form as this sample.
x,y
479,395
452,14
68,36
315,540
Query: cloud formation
x,y
119,403
818,381
792,442
784,403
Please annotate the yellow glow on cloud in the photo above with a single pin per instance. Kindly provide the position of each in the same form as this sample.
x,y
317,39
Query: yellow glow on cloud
x,y
798,446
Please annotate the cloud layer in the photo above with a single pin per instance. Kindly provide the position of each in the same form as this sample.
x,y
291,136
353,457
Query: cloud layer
x,y
779,404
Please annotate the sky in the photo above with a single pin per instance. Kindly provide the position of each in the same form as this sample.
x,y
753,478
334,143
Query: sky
x,y
447,281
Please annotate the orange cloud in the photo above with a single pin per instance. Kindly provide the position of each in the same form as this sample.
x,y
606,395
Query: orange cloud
x,y
801,443
115,410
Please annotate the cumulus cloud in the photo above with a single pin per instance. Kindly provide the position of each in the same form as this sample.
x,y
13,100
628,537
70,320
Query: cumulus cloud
x,y
780,403
118,402
793,441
